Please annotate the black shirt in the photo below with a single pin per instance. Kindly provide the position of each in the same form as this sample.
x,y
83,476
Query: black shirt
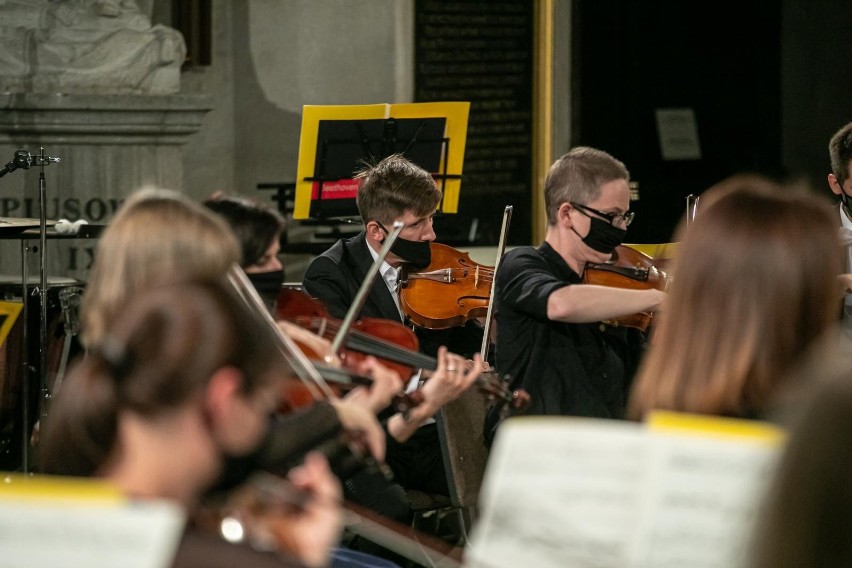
x,y
567,368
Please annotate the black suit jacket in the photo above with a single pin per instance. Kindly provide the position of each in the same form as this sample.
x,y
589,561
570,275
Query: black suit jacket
x,y
335,276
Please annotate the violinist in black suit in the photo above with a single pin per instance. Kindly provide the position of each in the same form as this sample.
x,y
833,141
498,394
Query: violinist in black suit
x,y
394,190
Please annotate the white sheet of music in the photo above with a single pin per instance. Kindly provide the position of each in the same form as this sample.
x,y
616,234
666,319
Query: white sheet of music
x,y
42,533
581,493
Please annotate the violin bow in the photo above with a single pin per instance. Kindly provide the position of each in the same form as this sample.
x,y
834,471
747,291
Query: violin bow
x,y
501,248
691,208
302,366
366,285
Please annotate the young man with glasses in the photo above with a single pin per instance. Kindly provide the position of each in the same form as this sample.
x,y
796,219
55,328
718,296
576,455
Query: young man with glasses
x,y
549,333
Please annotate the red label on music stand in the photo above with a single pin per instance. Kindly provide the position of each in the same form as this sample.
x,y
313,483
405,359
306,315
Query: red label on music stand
x,y
340,189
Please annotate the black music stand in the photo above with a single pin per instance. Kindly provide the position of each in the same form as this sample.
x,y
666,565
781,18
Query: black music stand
x,y
336,144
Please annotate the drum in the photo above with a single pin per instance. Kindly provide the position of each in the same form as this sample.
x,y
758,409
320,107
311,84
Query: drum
x,y
63,300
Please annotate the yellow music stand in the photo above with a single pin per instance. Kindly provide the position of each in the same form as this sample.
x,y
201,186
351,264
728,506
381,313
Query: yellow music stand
x,y
337,141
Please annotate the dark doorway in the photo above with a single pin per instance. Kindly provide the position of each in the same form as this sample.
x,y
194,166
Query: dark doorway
x,y
719,60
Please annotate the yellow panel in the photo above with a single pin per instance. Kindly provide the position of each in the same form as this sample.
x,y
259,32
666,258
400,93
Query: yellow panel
x,y
659,250
9,312
761,432
15,486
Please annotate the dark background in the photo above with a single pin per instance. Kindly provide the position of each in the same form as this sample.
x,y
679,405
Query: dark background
x,y
631,58
766,80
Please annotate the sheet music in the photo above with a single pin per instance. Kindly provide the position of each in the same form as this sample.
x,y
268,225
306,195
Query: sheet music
x,y
560,494
581,493
703,503
42,533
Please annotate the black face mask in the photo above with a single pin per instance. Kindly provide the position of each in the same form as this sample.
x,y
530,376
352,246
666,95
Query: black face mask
x,y
417,253
267,284
602,237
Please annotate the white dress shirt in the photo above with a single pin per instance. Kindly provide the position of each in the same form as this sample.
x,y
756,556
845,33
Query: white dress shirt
x,y
846,239
390,275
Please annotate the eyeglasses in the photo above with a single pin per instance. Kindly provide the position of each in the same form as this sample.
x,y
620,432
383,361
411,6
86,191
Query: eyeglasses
x,y
615,219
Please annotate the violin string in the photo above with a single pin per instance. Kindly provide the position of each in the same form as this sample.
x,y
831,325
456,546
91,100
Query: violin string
x,y
466,273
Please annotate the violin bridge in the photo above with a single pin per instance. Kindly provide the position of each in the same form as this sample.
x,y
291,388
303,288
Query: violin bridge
x,y
476,277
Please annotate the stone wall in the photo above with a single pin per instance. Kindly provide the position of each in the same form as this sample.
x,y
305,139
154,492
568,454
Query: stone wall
x,y
269,58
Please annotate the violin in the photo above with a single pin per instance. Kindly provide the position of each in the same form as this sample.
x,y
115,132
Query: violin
x,y
391,342
313,383
450,291
631,269
261,512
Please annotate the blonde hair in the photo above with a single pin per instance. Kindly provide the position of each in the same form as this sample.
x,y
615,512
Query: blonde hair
x,y
755,284
158,236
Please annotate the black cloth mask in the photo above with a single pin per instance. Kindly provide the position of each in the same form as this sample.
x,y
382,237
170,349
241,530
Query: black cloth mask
x,y
267,282
603,237
416,253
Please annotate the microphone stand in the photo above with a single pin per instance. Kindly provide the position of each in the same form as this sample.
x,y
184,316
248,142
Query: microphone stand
x,y
24,160
42,298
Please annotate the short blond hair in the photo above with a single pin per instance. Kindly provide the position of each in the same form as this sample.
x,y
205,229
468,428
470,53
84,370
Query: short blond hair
x,y
577,177
158,236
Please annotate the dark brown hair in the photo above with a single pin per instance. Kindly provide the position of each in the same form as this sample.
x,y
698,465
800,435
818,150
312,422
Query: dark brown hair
x,y
840,152
156,356
392,187
254,225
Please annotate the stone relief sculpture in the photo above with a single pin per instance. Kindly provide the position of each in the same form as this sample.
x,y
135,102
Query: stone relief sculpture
x,y
86,46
